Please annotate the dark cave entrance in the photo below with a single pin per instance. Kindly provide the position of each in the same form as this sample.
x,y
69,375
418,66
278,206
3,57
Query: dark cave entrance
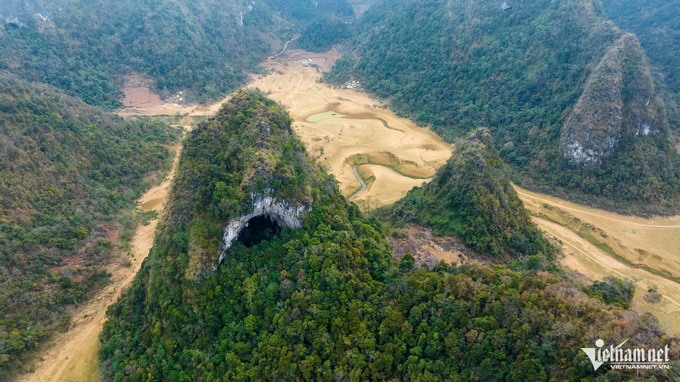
x,y
258,229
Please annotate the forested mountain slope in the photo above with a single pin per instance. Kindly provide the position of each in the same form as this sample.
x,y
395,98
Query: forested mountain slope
x,y
656,24
65,168
265,273
202,47
542,75
471,197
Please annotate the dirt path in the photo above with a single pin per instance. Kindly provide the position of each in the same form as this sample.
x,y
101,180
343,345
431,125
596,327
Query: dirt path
x,y
74,355
584,233
285,46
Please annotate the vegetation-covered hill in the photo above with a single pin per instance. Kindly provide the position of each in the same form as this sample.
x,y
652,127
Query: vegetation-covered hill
x,y
65,168
521,71
203,47
617,135
321,35
321,300
656,24
471,197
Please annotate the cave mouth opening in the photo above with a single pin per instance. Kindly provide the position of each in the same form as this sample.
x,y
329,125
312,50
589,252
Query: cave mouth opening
x,y
259,228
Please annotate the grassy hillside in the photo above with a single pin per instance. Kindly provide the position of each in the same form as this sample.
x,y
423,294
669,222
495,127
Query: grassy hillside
x,y
204,48
459,65
66,170
323,301
471,197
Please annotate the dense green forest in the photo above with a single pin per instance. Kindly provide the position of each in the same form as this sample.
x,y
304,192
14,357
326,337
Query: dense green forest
x,y
312,9
471,197
321,35
521,71
260,269
66,169
325,301
202,47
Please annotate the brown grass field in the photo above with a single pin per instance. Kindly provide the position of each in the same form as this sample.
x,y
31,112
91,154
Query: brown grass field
x,y
597,243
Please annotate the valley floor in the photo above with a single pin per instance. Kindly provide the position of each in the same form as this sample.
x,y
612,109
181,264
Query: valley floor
x,y
343,128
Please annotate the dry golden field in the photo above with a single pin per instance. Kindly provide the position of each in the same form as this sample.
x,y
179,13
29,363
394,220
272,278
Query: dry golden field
x,y
343,128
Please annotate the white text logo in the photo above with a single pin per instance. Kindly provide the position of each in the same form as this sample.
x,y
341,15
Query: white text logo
x,y
630,358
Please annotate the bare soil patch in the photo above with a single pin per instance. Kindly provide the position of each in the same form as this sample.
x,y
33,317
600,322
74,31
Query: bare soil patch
x,y
427,248
323,61
137,92
141,97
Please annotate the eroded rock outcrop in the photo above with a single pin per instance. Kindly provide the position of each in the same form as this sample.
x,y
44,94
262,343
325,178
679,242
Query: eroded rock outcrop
x,y
286,214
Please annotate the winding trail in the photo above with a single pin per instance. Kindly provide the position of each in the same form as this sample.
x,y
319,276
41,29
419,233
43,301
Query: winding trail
x,y
291,96
285,46
361,180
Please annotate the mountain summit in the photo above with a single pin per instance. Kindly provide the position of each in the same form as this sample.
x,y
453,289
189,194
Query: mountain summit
x,y
306,289
471,197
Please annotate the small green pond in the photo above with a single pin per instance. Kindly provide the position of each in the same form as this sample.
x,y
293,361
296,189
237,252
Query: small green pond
x,y
324,116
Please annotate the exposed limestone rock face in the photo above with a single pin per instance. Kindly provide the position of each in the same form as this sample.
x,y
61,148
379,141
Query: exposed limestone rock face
x,y
284,213
618,102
